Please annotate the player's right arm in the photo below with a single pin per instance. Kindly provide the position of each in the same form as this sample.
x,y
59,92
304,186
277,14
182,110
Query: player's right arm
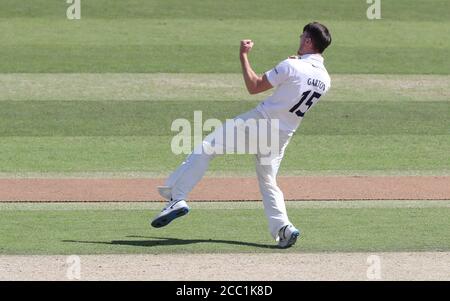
x,y
255,84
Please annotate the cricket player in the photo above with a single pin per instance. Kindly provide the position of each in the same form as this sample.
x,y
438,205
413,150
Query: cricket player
x,y
299,81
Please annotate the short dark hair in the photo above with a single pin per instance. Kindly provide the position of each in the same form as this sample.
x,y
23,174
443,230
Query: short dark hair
x,y
319,35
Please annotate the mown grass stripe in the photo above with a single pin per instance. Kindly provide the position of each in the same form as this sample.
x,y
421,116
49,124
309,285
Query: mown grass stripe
x,y
138,118
431,10
309,153
202,231
208,87
127,58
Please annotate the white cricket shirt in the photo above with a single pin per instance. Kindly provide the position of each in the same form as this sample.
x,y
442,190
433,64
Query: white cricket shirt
x,y
299,84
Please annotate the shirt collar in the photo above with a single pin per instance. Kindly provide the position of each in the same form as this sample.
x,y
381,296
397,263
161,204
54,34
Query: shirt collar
x,y
312,56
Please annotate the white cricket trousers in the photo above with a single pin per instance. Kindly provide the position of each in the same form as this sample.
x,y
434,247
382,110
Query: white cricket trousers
x,y
190,172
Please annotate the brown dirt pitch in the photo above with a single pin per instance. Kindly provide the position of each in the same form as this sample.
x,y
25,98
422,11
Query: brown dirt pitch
x,y
230,189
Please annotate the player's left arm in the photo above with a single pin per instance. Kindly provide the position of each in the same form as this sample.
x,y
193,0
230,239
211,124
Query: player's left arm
x,y
255,84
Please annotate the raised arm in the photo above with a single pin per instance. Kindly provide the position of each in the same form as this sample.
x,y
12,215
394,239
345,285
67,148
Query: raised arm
x,y
255,84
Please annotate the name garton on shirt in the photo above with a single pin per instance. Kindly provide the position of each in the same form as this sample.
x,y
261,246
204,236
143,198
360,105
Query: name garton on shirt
x,y
316,83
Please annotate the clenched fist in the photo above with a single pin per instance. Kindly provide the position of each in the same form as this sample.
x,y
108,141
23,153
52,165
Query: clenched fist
x,y
246,46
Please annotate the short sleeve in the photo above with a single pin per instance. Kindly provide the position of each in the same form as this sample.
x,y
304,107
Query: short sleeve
x,y
279,74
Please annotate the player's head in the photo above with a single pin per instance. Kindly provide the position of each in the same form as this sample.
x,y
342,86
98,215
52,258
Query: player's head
x,y
314,39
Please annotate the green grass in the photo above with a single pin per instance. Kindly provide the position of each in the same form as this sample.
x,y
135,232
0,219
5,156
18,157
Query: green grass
x,y
203,36
337,154
138,118
121,123
432,10
209,87
109,108
135,46
118,231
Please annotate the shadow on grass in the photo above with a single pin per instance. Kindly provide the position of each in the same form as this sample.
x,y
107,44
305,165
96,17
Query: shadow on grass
x,y
167,241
